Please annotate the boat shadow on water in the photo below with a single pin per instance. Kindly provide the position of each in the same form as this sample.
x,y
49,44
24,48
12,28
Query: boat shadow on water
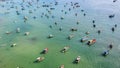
x,y
36,61
33,39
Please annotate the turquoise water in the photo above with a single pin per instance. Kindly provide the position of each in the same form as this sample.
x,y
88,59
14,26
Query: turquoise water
x,y
28,48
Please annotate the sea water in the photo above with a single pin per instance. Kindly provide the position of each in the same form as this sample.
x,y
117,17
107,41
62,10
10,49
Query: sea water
x,y
28,48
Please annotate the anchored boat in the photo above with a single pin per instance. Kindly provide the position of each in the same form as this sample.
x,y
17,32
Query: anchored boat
x,y
90,42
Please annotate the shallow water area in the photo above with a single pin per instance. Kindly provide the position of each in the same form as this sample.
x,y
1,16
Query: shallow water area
x,y
41,23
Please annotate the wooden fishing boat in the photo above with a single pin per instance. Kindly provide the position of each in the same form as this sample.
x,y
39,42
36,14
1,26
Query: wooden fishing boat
x,y
90,42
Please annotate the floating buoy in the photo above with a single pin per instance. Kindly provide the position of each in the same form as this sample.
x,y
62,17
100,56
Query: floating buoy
x,y
113,29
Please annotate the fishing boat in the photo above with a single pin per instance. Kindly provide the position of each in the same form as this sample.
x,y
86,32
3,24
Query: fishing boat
x,y
105,53
39,59
13,45
87,32
50,36
27,33
70,36
90,42
7,32
77,60
62,66
18,30
73,29
44,51
65,49
84,39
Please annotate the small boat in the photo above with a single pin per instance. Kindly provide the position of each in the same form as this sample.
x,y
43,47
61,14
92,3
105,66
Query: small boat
x,y
13,45
62,18
44,51
73,29
113,29
114,0
77,60
62,66
105,53
56,23
18,30
112,16
65,49
90,42
30,11
39,59
50,36
60,28
77,22
94,25
84,39
110,46
87,32
27,33
18,67
70,37
8,32
25,18
99,31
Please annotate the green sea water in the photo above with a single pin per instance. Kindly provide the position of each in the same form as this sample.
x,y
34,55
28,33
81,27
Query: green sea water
x,y
28,48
